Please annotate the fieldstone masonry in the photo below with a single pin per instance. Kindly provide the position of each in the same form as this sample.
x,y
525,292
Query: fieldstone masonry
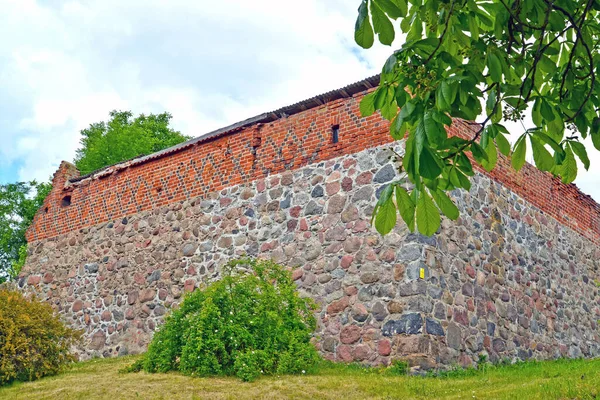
x,y
505,280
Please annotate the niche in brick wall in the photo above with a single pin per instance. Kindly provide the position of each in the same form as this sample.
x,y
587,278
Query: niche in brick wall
x,y
66,201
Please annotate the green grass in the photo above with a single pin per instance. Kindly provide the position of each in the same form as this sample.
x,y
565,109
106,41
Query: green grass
x,y
101,379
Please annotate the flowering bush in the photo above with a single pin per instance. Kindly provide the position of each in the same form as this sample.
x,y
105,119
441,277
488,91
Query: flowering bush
x,y
33,341
251,322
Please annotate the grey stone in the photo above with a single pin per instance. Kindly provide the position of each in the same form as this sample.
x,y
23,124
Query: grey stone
x,y
118,315
336,203
453,336
409,324
329,344
286,202
499,345
433,327
189,249
409,252
154,276
312,208
385,174
491,328
412,288
420,303
439,311
91,268
317,191
379,312
364,193
313,250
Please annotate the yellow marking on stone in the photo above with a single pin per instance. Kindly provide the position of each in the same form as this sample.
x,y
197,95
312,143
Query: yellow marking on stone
x,y
422,273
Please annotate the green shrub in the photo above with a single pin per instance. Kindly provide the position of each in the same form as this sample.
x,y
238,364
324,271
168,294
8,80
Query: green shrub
x,y
33,341
249,323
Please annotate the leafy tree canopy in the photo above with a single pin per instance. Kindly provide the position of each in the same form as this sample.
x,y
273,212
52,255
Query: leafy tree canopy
x,y
500,60
18,204
124,137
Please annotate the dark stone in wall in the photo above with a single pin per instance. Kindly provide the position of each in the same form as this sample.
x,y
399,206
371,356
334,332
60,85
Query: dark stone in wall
x,y
409,324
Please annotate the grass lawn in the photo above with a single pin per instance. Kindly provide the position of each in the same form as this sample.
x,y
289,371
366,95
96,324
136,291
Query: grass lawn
x,y
101,379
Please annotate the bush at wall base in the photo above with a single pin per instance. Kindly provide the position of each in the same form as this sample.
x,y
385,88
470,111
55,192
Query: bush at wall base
x,y
252,322
33,340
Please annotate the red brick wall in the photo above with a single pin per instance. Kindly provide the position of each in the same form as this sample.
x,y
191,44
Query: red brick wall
x,y
284,144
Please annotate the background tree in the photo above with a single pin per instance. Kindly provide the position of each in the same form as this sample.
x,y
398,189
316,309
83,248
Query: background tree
x,y
501,60
124,137
18,204
102,144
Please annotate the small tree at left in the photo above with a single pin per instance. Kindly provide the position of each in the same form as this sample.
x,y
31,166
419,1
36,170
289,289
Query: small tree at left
x,y
18,204
33,341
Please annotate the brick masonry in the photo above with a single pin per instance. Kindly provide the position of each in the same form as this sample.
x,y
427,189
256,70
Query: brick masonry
x,y
513,277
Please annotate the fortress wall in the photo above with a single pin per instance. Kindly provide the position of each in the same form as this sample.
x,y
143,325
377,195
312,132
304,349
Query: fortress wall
x,y
514,277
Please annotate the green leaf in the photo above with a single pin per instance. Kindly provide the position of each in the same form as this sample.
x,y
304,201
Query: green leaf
x,y
473,27
385,220
367,105
389,65
435,131
492,156
428,216
406,207
440,100
442,118
580,151
385,195
495,67
549,141
568,169
401,97
390,8
557,21
536,112
402,6
428,164
363,31
420,139
445,204
449,91
542,157
503,144
518,156
397,128
381,95
547,65
458,179
546,111
389,110
382,25
595,132
464,164
491,101
479,153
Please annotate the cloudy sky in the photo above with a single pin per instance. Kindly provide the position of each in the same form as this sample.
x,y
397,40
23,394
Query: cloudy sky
x,y
66,64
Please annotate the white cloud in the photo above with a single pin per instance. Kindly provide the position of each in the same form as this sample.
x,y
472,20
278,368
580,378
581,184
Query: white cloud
x,y
66,64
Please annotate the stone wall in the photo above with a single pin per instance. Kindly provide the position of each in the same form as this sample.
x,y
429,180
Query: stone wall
x,y
505,279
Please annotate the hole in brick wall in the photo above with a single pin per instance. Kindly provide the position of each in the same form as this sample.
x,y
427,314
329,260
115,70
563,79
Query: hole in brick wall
x,y
46,210
66,201
335,134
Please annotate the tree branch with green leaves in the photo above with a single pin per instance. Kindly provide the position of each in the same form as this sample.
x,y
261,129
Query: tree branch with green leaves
x,y
492,61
